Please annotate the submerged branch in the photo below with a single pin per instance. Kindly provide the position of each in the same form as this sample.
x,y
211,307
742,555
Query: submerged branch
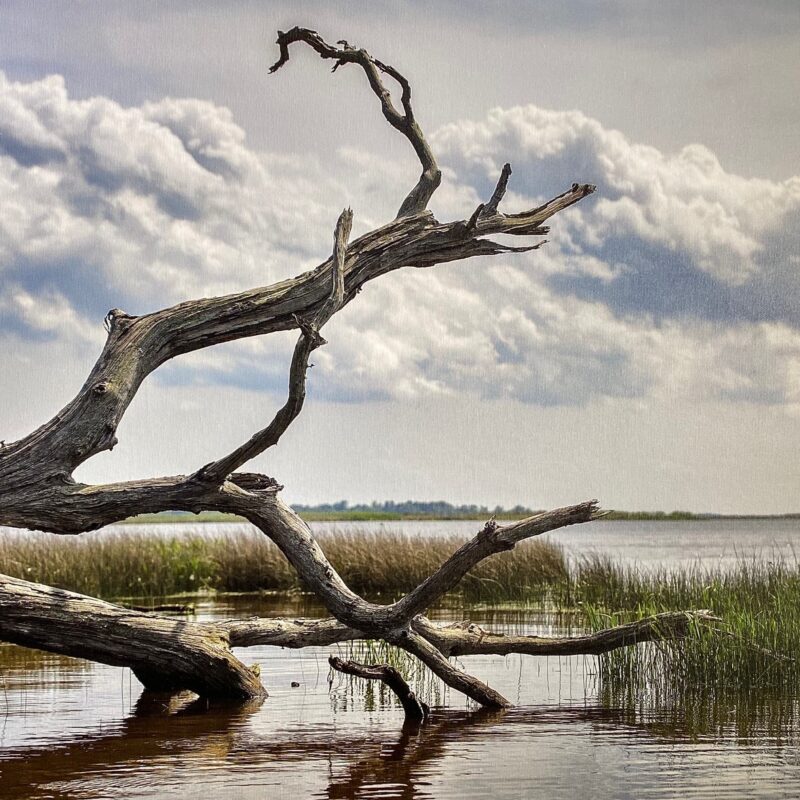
x,y
415,709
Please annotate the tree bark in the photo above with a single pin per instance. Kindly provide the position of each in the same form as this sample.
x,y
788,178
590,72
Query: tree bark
x,y
165,654
169,654
414,709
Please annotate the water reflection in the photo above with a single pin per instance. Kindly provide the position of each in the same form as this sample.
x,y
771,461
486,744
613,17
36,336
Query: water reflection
x,y
160,726
210,746
70,729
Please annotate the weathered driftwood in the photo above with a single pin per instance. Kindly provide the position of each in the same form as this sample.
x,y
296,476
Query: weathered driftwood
x,y
38,491
165,654
173,654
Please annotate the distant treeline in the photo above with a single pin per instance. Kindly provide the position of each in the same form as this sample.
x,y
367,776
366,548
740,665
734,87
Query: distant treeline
x,y
440,509
656,515
342,511
389,509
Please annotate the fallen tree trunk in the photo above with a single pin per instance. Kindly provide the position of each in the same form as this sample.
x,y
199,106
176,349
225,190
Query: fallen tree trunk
x,y
164,654
168,654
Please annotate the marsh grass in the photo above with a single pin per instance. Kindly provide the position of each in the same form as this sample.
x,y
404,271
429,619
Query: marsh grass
x,y
740,677
113,564
738,680
758,600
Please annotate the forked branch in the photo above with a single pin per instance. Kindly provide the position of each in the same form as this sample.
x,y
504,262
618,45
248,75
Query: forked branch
x,y
491,539
295,540
404,122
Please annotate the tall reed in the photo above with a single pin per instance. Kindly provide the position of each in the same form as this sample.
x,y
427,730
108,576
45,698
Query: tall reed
x,y
754,652
124,564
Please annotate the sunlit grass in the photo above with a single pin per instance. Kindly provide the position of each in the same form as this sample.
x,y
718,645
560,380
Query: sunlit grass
x,y
742,674
134,564
759,601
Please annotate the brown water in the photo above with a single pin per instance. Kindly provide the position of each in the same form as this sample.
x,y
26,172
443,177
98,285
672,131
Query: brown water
x,y
71,729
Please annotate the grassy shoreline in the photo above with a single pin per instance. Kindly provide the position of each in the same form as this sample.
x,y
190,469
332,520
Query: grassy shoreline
x,y
130,563
759,601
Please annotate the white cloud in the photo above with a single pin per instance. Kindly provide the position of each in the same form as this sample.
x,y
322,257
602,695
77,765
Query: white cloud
x,y
158,203
683,202
103,206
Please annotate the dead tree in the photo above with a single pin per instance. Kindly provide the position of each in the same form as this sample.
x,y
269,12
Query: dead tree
x,y
38,491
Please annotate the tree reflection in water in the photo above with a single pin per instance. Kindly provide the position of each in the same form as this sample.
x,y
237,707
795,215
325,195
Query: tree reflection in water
x,y
196,739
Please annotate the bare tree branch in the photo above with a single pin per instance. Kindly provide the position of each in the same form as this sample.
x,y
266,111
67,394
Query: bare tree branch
x,y
295,540
499,192
431,176
466,639
336,299
38,491
454,677
295,634
309,341
177,653
36,487
493,538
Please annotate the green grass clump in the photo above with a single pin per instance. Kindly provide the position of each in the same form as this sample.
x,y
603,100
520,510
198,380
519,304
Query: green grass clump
x,y
743,672
759,601
110,564
713,678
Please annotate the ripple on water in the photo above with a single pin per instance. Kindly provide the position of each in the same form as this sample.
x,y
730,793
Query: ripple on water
x,y
76,730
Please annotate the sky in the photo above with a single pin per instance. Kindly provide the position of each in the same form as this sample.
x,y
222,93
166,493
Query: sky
x,y
648,355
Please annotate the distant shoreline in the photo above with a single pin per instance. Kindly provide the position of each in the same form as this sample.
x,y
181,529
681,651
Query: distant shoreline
x,y
352,515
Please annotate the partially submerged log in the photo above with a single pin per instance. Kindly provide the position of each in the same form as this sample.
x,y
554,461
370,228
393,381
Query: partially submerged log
x,y
168,654
164,654
38,491
415,710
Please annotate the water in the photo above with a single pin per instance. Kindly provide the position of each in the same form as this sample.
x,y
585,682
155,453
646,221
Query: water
x,y
72,729
645,544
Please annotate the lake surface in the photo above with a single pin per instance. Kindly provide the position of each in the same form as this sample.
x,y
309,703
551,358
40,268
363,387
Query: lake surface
x,y
73,729
646,544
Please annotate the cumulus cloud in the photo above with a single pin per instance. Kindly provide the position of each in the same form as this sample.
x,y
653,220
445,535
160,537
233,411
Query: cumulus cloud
x,y
156,204
663,284
675,232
